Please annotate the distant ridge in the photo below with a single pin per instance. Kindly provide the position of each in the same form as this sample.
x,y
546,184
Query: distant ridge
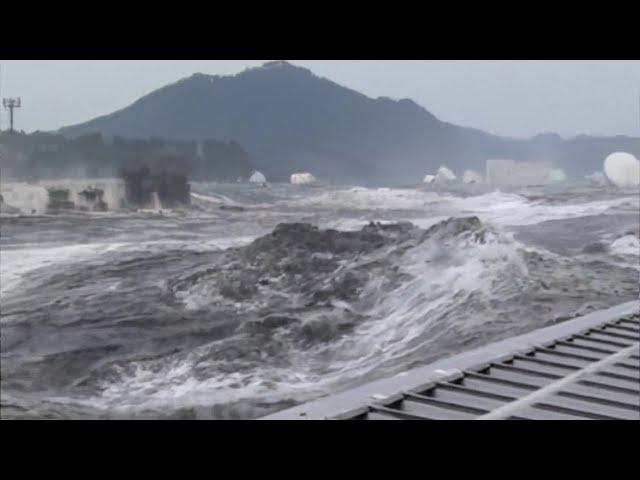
x,y
289,119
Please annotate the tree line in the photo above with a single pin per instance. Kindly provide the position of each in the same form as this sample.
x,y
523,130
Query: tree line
x,y
43,155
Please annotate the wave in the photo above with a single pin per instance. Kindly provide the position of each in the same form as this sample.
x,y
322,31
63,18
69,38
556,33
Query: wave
x,y
500,208
361,198
627,245
292,315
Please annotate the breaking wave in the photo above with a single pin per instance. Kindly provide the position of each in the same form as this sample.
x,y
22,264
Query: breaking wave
x,y
501,208
293,315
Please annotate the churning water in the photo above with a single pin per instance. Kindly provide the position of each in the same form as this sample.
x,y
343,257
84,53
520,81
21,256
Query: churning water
x,y
258,298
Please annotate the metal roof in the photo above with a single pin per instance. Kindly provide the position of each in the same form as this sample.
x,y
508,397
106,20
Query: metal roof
x,y
585,368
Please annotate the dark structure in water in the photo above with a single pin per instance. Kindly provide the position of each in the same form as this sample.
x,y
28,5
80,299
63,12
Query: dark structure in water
x,y
59,200
93,197
172,188
41,155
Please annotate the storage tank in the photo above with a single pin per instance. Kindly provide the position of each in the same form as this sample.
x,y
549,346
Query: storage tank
x,y
304,178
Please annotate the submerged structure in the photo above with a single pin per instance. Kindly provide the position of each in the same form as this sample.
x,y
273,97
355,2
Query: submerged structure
x,y
156,190
89,199
86,195
585,368
59,199
92,199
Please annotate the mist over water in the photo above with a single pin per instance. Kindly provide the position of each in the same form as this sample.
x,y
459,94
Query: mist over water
x,y
257,298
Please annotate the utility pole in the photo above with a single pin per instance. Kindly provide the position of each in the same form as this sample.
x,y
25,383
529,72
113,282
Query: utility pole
x,y
10,104
0,97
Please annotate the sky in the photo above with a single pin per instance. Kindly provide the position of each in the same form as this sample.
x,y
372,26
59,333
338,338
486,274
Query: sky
x,y
509,98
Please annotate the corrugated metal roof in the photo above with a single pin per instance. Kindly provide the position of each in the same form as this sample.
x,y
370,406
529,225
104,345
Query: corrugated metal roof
x,y
587,368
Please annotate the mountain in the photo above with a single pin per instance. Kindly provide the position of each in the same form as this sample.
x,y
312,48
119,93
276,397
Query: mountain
x,y
290,120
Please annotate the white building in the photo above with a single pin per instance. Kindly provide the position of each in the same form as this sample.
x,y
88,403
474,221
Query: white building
x,y
510,172
304,178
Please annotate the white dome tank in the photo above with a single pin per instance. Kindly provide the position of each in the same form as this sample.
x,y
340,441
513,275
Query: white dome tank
x,y
622,169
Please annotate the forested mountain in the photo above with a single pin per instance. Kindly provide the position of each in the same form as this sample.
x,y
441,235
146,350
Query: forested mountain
x,y
290,120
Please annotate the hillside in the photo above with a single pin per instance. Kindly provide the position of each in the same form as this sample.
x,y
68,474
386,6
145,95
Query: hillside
x,y
290,120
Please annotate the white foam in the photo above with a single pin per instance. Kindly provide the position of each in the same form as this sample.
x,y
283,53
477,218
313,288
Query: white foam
x,y
497,207
445,175
515,210
18,262
27,198
429,179
471,176
627,245
360,198
597,178
207,198
258,177
557,175
445,271
15,263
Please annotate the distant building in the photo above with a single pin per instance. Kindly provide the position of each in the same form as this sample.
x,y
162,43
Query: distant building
x,y
304,178
510,172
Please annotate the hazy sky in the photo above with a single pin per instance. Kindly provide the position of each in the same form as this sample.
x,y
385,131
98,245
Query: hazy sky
x,y
512,98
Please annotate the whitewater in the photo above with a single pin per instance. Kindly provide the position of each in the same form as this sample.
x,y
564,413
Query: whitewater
x,y
256,298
